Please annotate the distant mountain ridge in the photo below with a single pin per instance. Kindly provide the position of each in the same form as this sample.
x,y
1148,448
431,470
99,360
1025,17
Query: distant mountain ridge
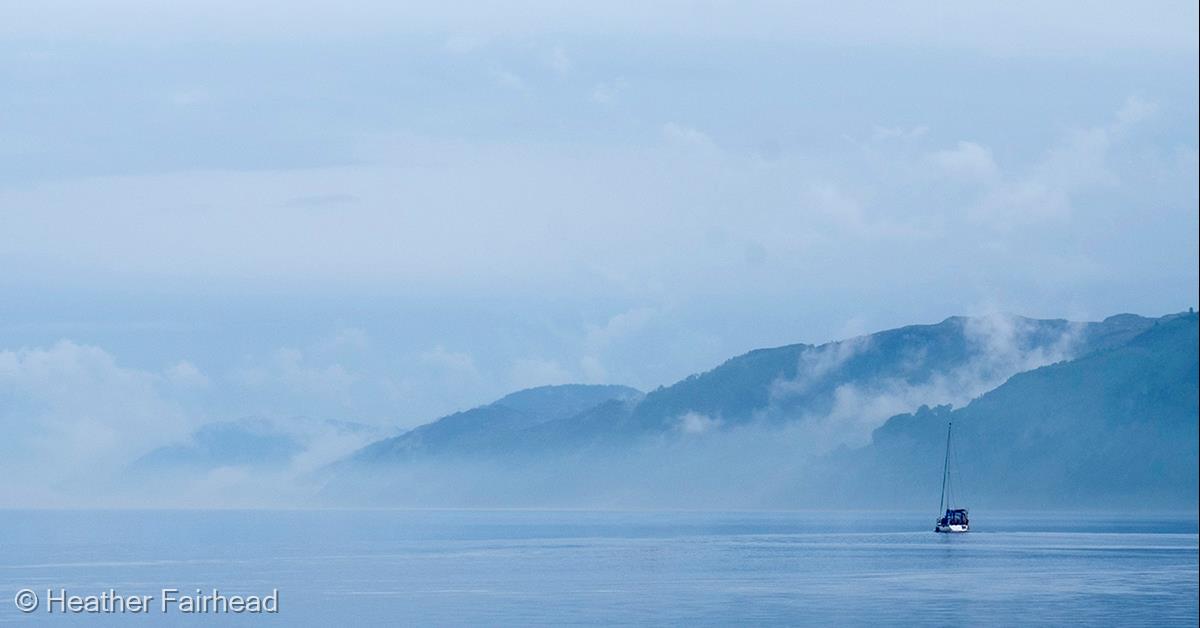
x,y
776,384
487,427
810,405
781,381
249,442
1118,425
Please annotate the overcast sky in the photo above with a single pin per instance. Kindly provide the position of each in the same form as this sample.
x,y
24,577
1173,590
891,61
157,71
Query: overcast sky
x,y
382,213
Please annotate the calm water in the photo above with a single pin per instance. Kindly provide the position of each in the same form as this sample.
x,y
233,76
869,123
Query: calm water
x,y
521,567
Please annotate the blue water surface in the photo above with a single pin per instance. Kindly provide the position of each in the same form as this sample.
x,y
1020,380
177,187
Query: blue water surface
x,y
454,567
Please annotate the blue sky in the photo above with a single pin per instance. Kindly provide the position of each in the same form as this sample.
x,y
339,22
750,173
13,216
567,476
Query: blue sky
x,y
383,212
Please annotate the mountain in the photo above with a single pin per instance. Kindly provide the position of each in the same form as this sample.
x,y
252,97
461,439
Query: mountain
x,y
497,426
897,370
250,442
1116,427
797,426
958,358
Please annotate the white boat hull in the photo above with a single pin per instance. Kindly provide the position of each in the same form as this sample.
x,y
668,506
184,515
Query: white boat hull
x,y
953,528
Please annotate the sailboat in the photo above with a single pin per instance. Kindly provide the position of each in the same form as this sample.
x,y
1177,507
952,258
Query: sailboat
x,y
955,520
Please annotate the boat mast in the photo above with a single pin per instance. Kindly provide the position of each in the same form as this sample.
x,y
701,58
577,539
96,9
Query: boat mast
x,y
945,469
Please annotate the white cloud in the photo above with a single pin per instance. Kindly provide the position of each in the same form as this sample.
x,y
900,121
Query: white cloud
x,y
599,340
534,371
816,365
1000,347
1078,162
968,161
688,137
1135,110
416,221
458,363
185,375
75,420
593,370
696,423
72,416
618,327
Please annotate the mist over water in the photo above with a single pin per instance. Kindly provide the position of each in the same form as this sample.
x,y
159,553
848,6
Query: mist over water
x,y
779,455
816,415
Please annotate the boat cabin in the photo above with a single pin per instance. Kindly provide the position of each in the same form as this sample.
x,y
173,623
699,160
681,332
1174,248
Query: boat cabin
x,y
956,517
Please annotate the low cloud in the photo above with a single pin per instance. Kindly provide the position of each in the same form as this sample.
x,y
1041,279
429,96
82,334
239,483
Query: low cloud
x,y
458,363
73,415
618,327
999,346
968,161
1078,162
185,375
696,423
535,371
77,422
